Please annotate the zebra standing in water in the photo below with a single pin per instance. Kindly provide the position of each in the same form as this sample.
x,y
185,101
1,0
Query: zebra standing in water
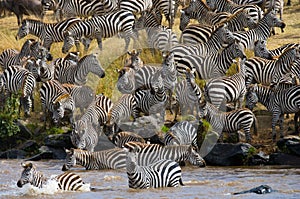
x,y
228,121
162,173
101,27
48,33
226,89
67,72
15,79
149,153
119,139
278,103
106,159
259,70
188,95
67,181
199,11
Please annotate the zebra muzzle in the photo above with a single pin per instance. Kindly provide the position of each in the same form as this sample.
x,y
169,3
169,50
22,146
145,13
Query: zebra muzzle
x,y
65,168
19,184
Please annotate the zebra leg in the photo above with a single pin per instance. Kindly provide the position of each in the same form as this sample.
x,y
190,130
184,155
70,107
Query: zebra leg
x,y
274,122
281,119
296,122
99,41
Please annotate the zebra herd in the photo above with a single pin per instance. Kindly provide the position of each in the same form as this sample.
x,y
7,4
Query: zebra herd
x,y
205,51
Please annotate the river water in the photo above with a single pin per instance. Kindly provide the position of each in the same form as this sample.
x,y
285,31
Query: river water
x,y
208,182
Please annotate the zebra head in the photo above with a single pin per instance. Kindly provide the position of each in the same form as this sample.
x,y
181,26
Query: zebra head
x,y
260,50
194,157
251,96
126,80
28,175
212,4
69,41
92,64
48,4
203,109
237,50
226,37
184,20
40,52
70,159
134,61
131,160
23,30
78,133
273,21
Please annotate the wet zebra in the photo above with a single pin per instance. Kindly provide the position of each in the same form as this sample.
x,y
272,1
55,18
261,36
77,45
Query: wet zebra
x,y
261,32
215,65
228,121
119,139
188,95
162,173
259,70
199,11
182,133
101,27
106,159
277,102
220,38
67,72
226,89
17,79
66,181
149,153
57,100
48,33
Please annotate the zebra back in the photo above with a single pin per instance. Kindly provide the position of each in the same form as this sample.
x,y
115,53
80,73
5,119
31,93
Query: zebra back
x,y
121,138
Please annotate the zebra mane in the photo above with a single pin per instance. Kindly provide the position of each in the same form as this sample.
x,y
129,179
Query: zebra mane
x,y
61,98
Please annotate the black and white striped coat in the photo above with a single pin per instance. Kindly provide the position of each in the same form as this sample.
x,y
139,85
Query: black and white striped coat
x,y
119,139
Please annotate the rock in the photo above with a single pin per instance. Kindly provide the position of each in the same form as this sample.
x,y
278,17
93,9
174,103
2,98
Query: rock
x,y
104,144
29,146
290,145
57,153
259,159
13,154
24,131
59,141
284,159
226,154
40,156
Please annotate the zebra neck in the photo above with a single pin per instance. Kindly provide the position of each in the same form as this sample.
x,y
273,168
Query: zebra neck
x,y
265,96
262,29
84,158
38,29
38,179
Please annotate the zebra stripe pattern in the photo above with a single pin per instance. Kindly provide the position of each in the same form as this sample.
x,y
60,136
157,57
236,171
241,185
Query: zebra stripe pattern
x,y
228,121
163,173
135,6
66,181
119,139
107,159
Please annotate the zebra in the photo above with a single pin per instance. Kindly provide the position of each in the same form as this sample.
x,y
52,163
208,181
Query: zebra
x,y
188,94
106,159
48,33
38,51
83,96
254,11
136,6
67,72
226,89
66,181
81,8
163,173
276,102
212,66
249,2
277,6
84,136
181,133
57,100
220,37
119,139
260,49
259,70
167,7
99,27
199,11
228,121
17,79
134,61
262,30
149,153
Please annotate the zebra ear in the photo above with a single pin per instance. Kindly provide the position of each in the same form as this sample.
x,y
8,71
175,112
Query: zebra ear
x,y
126,149
66,33
26,165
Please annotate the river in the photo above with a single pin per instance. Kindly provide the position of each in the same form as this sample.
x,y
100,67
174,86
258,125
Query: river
x,y
208,182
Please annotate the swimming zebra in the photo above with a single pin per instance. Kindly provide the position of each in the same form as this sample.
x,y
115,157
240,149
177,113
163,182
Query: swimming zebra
x,y
228,121
48,33
199,33
181,133
66,181
134,60
220,38
277,102
106,159
261,32
188,95
67,72
119,139
81,8
222,90
199,11
162,173
150,153
259,70
101,27
215,65
83,96
84,135
17,79
57,100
